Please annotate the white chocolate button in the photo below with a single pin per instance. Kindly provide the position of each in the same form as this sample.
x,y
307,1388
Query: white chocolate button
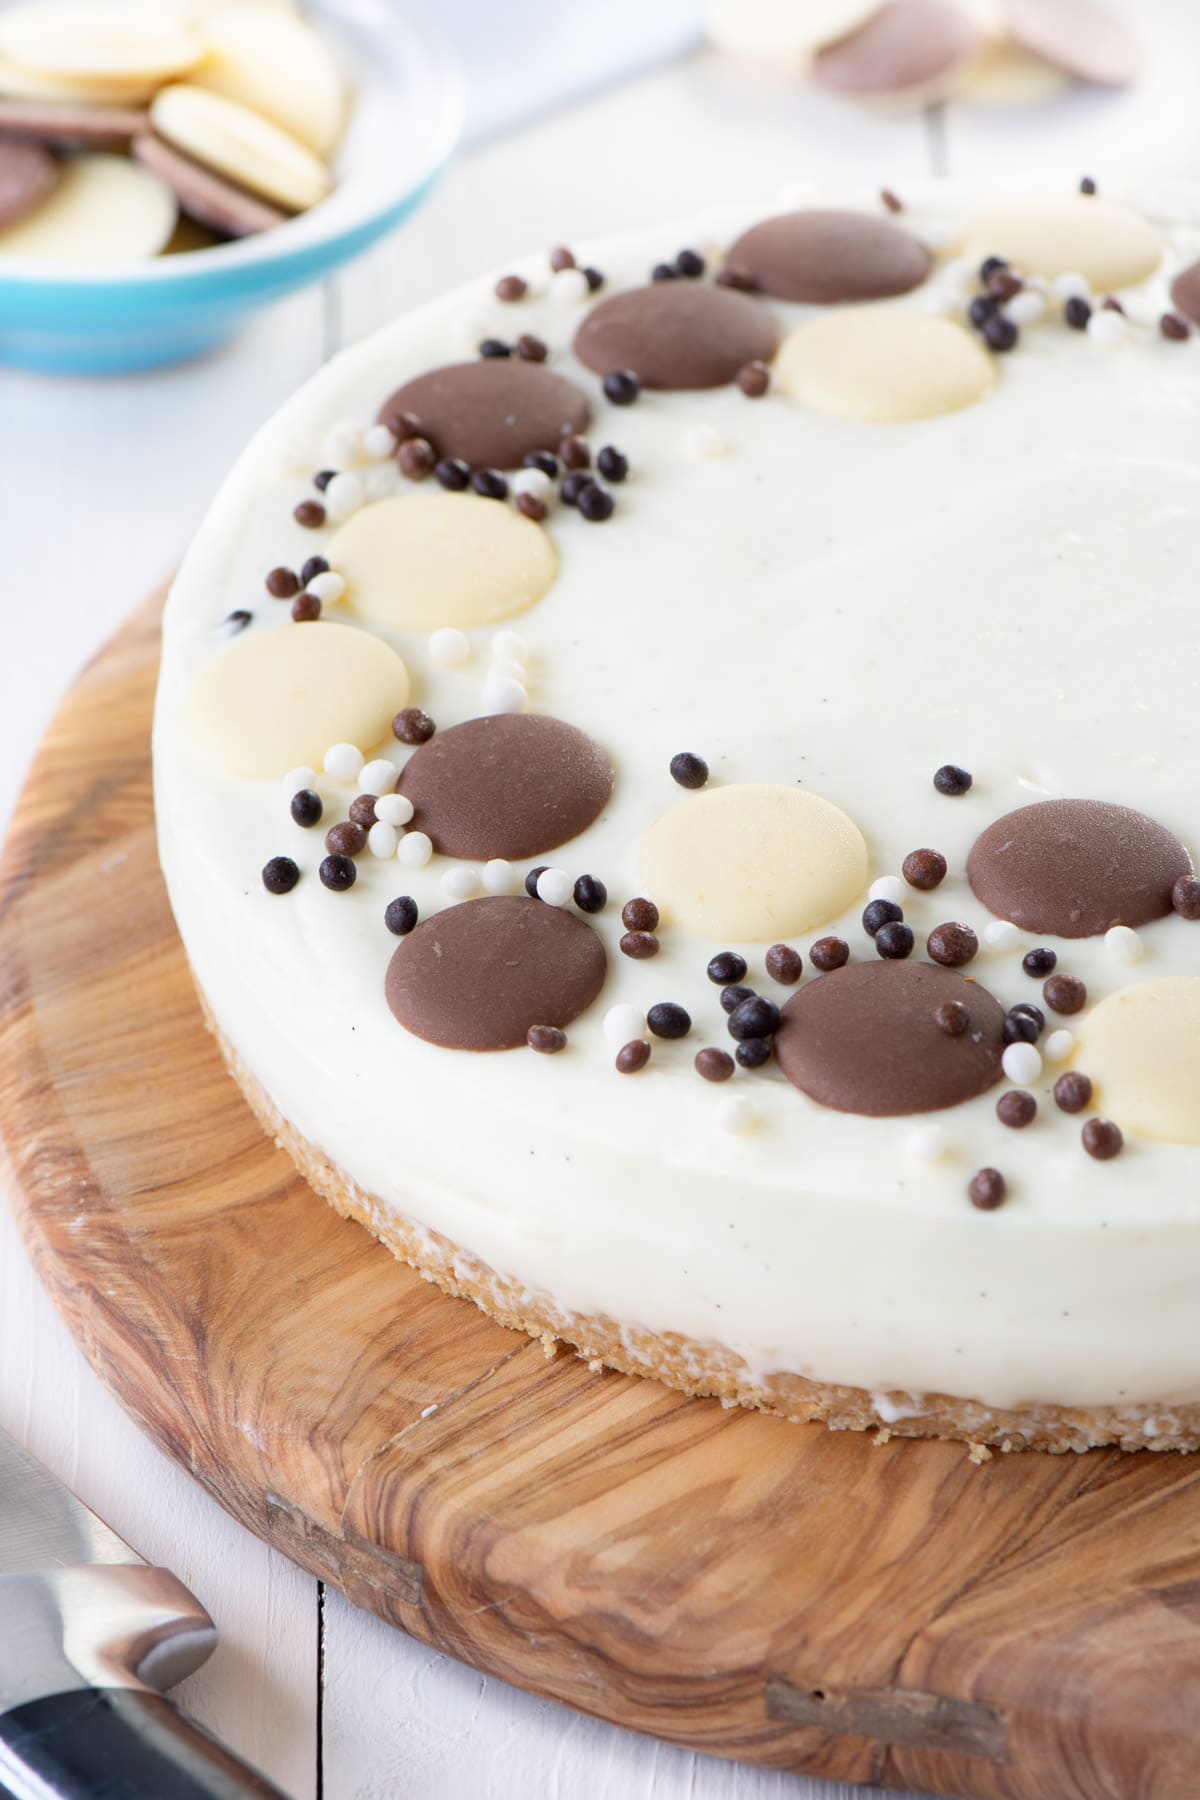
x,y
240,144
422,562
105,209
277,698
107,40
277,66
1007,75
1110,246
883,363
18,83
753,863
1141,1048
781,27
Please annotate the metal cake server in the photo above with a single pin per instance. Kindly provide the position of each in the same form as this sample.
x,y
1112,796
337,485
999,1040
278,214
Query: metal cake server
x,y
90,1635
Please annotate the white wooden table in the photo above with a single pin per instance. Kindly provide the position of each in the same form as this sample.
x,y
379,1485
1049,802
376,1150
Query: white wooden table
x,y
101,484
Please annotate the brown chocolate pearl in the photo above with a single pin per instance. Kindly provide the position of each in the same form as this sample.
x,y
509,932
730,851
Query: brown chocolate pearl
x,y
639,915
754,378
924,869
404,425
561,258
1185,897
412,726
346,839
633,1056
283,583
531,507
530,348
547,1040
1073,1091
1004,285
714,1065
829,953
987,1190
305,607
575,453
952,944
309,513
511,287
892,201
1016,1109
784,964
415,458
952,1017
362,811
1174,327
639,945
1064,994
1102,1139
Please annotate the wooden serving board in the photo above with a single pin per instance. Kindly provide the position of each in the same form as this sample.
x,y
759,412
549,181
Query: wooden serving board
x,y
1028,1629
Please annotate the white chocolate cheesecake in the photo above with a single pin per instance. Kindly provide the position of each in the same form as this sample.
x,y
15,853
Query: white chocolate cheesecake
x,y
764,952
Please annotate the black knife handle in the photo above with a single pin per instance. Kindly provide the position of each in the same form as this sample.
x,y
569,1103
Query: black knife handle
x,y
117,1744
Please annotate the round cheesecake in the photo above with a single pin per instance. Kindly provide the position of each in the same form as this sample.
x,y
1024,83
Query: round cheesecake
x,y
676,772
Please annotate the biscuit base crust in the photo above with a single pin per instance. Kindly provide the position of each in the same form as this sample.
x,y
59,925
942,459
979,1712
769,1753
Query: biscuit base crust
x,y
710,1369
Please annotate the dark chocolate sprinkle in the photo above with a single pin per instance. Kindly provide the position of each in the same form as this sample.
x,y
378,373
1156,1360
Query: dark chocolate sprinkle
x,y
547,1040
895,940
1040,962
416,458
339,873
689,770
1000,334
316,565
754,1018
451,474
612,464
591,895
543,460
307,808
951,780
987,1190
489,484
238,619
531,880
401,915
1174,327
732,997
752,1053
575,453
491,347
1185,897
622,387
280,875
1077,312
880,912
726,967
667,1020
322,479
596,503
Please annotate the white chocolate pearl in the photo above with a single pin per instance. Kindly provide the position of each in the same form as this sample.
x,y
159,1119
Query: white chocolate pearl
x,y
380,483
499,877
928,1143
1071,287
532,481
939,234
509,671
378,777
1058,1046
624,1023
555,887
379,441
510,646
941,302
1025,308
449,647
343,762
1123,944
296,780
1000,935
1107,327
344,495
328,587
382,839
735,1114
343,443
460,882
888,887
394,809
1022,1063
960,272
501,694
569,287
414,849
703,443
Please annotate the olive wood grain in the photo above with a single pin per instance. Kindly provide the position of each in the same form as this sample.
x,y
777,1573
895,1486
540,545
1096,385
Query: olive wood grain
x,y
1028,1629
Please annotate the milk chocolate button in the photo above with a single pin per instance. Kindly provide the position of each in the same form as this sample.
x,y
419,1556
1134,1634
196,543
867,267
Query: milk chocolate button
x,y
1110,246
58,122
1075,868
1078,36
1141,1048
865,1039
479,975
493,412
827,256
510,785
1185,292
907,49
228,210
240,144
677,334
28,173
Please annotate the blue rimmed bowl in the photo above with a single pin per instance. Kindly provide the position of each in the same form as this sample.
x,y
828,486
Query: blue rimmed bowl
x,y
404,123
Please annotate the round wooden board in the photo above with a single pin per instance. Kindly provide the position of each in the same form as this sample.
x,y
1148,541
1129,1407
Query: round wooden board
x,y
1024,1630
